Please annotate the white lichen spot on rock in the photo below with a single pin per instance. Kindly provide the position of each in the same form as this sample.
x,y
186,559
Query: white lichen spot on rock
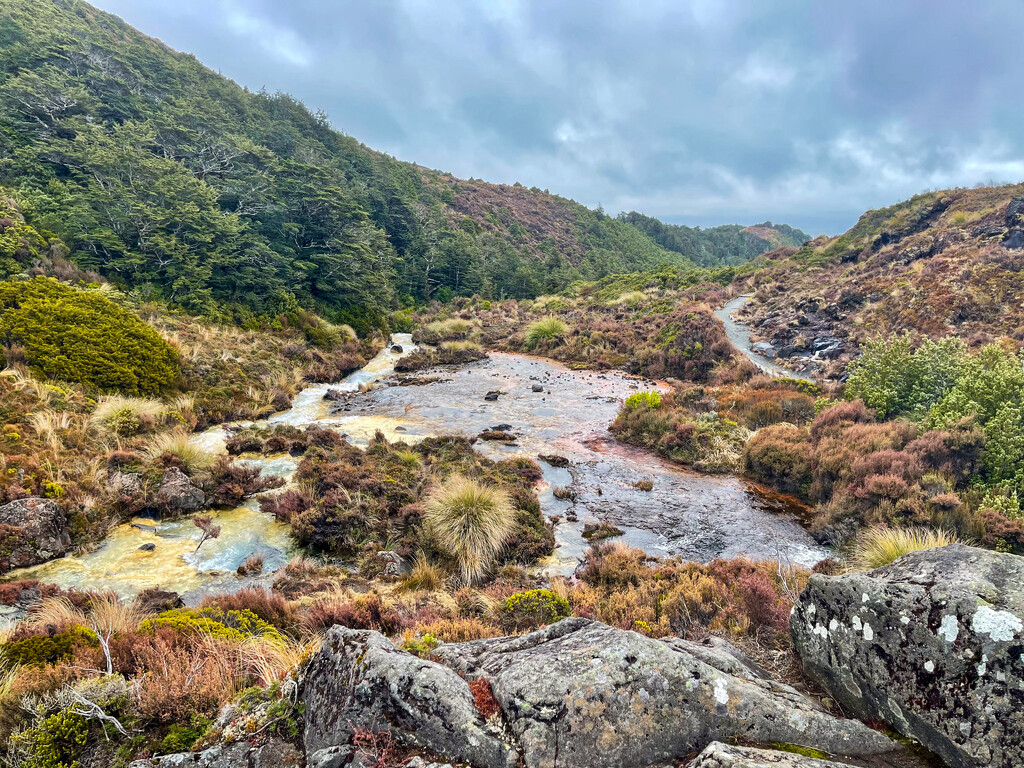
x,y
868,632
856,623
929,666
819,629
812,609
721,691
904,620
798,720
983,666
998,625
949,629
864,597
833,625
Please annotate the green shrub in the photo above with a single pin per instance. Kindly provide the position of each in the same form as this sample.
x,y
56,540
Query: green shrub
x,y
56,742
893,378
181,737
82,336
39,650
644,400
533,608
212,620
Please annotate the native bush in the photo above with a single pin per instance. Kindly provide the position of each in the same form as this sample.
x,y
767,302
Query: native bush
x,y
531,609
82,336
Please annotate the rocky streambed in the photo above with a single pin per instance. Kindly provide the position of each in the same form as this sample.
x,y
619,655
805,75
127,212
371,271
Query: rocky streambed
x,y
549,411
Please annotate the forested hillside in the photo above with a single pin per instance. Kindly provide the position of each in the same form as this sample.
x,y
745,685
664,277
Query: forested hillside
x,y
716,246
171,180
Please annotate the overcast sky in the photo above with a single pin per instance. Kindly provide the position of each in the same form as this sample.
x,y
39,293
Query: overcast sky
x,y
695,111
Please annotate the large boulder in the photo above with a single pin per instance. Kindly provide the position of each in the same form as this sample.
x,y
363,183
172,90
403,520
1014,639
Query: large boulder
x,y
933,644
178,495
360,683
582,694
32,531
718,755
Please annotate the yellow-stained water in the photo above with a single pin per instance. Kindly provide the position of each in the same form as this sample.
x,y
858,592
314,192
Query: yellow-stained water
x,y
120,565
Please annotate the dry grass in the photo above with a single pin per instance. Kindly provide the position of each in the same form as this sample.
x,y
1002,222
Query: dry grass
x,y
472,521
177,443
880,546
424,575
270,659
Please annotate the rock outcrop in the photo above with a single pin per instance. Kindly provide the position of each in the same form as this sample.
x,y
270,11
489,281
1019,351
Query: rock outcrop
x,y
359,681
272,754
933,644
32,531
718,755
178,495
581,693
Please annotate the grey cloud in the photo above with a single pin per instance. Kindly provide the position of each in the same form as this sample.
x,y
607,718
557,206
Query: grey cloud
x,y
697,111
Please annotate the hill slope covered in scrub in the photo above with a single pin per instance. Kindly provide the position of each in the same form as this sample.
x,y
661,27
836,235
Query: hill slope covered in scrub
x,y
166,177
726,244
939,264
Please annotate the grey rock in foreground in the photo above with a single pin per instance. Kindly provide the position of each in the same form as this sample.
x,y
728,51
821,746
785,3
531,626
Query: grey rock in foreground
x,y
933,644
273,754
178,495
42,532
718,755
360,681
581,694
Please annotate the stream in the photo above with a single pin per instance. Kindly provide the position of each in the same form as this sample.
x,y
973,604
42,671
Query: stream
x,y
698,517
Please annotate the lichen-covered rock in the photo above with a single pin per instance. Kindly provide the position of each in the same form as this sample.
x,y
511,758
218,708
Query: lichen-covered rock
x,y
718,755
933,644
36,530
581,694
360,681
274,753
178,495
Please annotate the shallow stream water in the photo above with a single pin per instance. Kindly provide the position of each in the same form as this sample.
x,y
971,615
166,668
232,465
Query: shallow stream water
x,y
700,517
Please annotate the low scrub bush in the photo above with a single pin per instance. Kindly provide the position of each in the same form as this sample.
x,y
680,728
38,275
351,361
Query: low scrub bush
x,y
532,609
83,337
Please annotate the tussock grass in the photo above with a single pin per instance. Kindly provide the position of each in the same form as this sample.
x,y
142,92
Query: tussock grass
x,y
424,575
126,416
460,346
272,658
471,521
880,546
177,442
544,330
453,328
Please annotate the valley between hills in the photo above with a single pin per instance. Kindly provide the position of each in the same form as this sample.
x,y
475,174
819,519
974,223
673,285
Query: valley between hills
x,y
311,457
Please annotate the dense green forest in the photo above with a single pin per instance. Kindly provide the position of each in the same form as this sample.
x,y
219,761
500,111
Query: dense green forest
x,y
172,181
716,246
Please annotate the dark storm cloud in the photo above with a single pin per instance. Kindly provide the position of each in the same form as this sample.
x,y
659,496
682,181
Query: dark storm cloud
x,y
698,111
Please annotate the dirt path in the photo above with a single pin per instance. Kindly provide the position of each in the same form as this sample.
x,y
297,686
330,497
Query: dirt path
x,y
739,336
